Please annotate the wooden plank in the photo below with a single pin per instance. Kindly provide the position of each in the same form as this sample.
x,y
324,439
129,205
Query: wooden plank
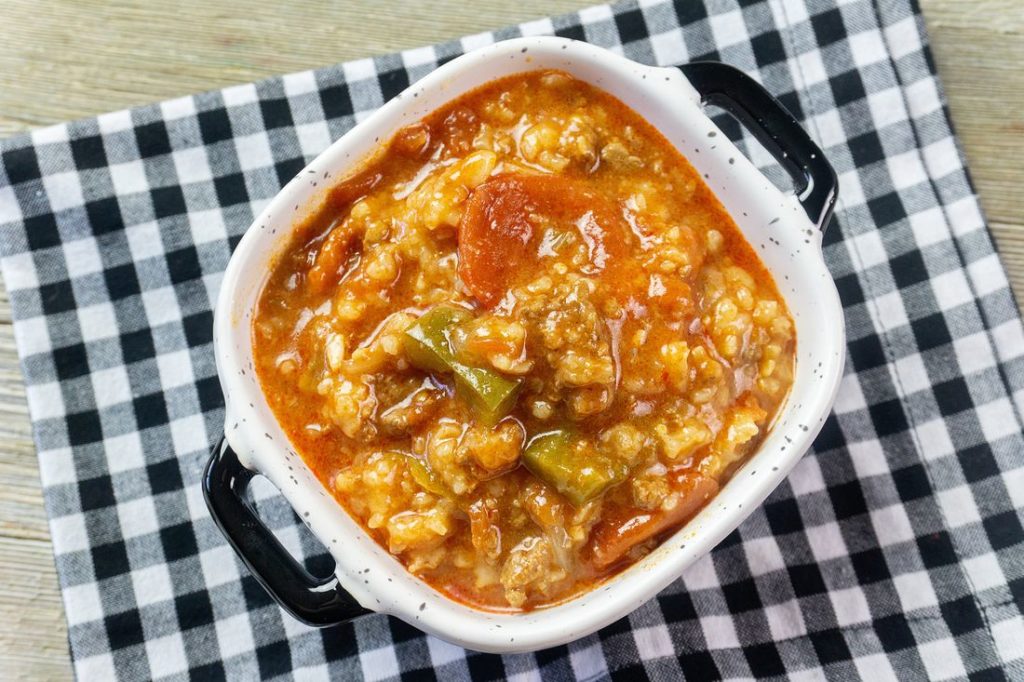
x,y
985,87
69,59
33,633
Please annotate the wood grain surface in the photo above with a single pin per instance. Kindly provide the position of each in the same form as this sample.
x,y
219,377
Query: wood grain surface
x,y
74,58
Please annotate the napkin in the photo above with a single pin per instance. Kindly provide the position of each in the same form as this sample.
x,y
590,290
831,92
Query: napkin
x,y
895,549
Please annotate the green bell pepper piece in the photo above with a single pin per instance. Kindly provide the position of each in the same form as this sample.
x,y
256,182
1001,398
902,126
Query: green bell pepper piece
x,y
491,395
426,341
425,478
427,344
580,474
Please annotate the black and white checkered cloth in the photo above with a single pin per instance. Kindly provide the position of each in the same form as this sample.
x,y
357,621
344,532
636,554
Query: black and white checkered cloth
x,y
894,550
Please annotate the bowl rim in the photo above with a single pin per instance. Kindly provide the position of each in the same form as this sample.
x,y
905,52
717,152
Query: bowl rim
x,y
578,616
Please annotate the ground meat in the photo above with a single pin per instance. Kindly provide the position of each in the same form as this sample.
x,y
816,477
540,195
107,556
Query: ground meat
x,y
530,570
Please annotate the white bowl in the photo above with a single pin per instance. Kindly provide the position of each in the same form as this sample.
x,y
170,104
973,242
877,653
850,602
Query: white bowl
x,y
788,241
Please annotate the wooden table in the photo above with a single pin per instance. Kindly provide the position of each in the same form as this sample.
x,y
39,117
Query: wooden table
x,y
73,58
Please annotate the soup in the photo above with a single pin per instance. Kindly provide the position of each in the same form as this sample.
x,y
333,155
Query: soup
x,y
523,343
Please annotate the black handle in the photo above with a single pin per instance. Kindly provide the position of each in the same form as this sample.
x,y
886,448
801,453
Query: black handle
x,y
315,601
774,127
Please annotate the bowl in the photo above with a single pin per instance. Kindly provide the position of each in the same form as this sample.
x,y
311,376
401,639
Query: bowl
x,y
785,228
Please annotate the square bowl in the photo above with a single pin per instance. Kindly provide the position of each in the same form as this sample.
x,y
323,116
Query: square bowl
x,y
785,229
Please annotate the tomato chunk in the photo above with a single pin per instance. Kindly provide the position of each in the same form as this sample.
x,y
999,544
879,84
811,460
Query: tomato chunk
x,y
348,191
499,237
625,528
341,240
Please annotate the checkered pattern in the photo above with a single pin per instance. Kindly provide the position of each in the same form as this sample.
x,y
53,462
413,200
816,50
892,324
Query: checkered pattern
x,y
895,548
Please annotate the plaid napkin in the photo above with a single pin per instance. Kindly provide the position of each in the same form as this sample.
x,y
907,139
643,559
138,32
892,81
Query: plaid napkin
x,y
895,549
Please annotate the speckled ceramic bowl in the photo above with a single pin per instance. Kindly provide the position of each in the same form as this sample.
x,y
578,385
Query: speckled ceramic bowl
x,y
785,229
